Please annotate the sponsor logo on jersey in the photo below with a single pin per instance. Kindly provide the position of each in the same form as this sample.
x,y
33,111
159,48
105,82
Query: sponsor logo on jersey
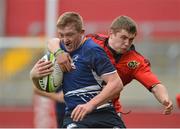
x,y
75,57
133,64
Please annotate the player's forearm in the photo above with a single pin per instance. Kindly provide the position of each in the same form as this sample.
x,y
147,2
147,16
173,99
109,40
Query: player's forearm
x,y
160,93
110,91
34,79
53,44
54,96
35,82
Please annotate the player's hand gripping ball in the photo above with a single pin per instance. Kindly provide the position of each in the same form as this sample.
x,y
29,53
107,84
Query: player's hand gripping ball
x,y
51,82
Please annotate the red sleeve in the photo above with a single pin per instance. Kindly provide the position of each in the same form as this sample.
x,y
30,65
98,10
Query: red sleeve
x,y
145,76
117,105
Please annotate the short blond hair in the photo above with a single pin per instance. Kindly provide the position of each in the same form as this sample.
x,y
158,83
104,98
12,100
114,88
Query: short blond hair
x,y
70,18
124,22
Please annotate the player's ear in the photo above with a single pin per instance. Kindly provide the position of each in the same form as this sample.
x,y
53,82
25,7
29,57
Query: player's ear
x,y
110,32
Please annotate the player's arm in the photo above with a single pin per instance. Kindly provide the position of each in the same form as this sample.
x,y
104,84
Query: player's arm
x,y
41,68
53,44
146,77
161,94
111,90
59,97
63,58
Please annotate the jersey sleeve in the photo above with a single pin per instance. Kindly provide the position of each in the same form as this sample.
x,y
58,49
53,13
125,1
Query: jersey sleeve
x,y
100,62
145,76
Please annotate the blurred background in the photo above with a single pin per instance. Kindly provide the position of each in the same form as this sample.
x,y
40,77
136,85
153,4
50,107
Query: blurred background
x,y
26,25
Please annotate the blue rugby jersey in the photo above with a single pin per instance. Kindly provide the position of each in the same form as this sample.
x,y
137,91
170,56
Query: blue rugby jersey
x,y
83,83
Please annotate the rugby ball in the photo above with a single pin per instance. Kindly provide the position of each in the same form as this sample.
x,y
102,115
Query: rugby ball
x,y
53,81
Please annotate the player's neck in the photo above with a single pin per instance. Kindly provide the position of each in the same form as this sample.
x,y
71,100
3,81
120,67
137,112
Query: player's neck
x,y
83,40
111,46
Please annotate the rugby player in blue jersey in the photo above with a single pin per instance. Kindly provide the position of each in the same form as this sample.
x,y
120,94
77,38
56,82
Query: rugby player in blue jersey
x,y
88,102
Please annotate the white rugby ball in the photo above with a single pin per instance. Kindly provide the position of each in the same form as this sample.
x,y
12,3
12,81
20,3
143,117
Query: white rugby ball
x,y
53,81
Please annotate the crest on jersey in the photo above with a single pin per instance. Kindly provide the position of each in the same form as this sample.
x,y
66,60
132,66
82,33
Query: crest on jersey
x,y
133,64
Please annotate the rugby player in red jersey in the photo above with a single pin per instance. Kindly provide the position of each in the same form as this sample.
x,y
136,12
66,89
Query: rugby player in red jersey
x,y
129,63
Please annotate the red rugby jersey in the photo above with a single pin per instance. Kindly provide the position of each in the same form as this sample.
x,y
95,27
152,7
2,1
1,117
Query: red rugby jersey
x,y
130,65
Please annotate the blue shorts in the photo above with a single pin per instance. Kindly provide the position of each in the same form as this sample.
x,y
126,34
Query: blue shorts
x,y
101,118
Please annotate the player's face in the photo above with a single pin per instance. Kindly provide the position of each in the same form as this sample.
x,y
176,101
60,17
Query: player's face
x,y
121,41
70,37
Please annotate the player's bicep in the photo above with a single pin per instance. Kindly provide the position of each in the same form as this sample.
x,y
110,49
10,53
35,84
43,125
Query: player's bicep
x,y
146,77
113,83
109,76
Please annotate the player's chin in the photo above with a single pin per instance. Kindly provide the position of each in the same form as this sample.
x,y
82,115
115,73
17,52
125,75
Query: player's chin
x,y
123,51
69,48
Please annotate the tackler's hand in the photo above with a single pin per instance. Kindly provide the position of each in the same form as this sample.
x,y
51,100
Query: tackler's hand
x,y
65,62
